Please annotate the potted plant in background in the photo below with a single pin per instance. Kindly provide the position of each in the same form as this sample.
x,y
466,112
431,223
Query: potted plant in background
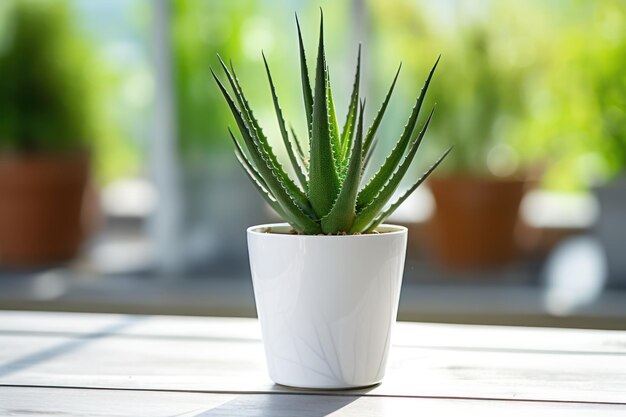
x,y
45,123
478,195
327,282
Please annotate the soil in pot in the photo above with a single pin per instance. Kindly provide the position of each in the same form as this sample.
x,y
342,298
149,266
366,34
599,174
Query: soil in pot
x,y
41,203
475,220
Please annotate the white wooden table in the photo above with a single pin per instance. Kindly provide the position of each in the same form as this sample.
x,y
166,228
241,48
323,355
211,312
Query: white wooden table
x,y
118,365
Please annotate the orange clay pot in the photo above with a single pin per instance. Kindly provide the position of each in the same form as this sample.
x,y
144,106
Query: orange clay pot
x,y
475,220
41,207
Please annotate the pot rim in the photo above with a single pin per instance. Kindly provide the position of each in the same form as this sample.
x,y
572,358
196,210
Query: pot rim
x,y
390,230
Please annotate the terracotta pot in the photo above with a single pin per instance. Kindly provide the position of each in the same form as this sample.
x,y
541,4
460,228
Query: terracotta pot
x,y
475,220
41,204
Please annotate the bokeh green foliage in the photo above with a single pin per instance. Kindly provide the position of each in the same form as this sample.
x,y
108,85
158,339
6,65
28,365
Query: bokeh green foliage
x,y
44,88
199,31
607,71
480,97
576,98
485,62
610,84
239,31
55,92
544,79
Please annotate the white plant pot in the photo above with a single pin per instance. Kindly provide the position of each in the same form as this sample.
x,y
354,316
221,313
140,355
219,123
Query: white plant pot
x,y
326,304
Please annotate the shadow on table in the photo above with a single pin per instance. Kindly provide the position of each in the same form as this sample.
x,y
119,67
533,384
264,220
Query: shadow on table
x,y
282,405
72,344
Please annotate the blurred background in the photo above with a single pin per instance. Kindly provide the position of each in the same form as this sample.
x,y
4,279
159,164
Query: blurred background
x,y
120,192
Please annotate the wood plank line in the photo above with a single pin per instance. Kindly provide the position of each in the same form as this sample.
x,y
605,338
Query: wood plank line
x,y
226,355
406,334
77,402
116,362
230,339
73,335
440,376
320,393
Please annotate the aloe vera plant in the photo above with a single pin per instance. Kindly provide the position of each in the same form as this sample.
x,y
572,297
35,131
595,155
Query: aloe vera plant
x,y
328,196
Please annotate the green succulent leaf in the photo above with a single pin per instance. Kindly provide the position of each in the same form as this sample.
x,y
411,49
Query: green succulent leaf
x,y
342,214
255,177
348,126
330,170
370,153
283,131
300,153
267,172
369,212
371,133
394,206
377,182
306,83
333,127
249,166
323,180
262,143
262,190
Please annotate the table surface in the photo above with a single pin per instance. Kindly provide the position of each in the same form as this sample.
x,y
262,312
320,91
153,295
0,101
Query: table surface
x,y
126,365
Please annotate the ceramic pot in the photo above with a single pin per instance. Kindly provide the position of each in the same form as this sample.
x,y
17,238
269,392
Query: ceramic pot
x,y
475,220
326,304
41,208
